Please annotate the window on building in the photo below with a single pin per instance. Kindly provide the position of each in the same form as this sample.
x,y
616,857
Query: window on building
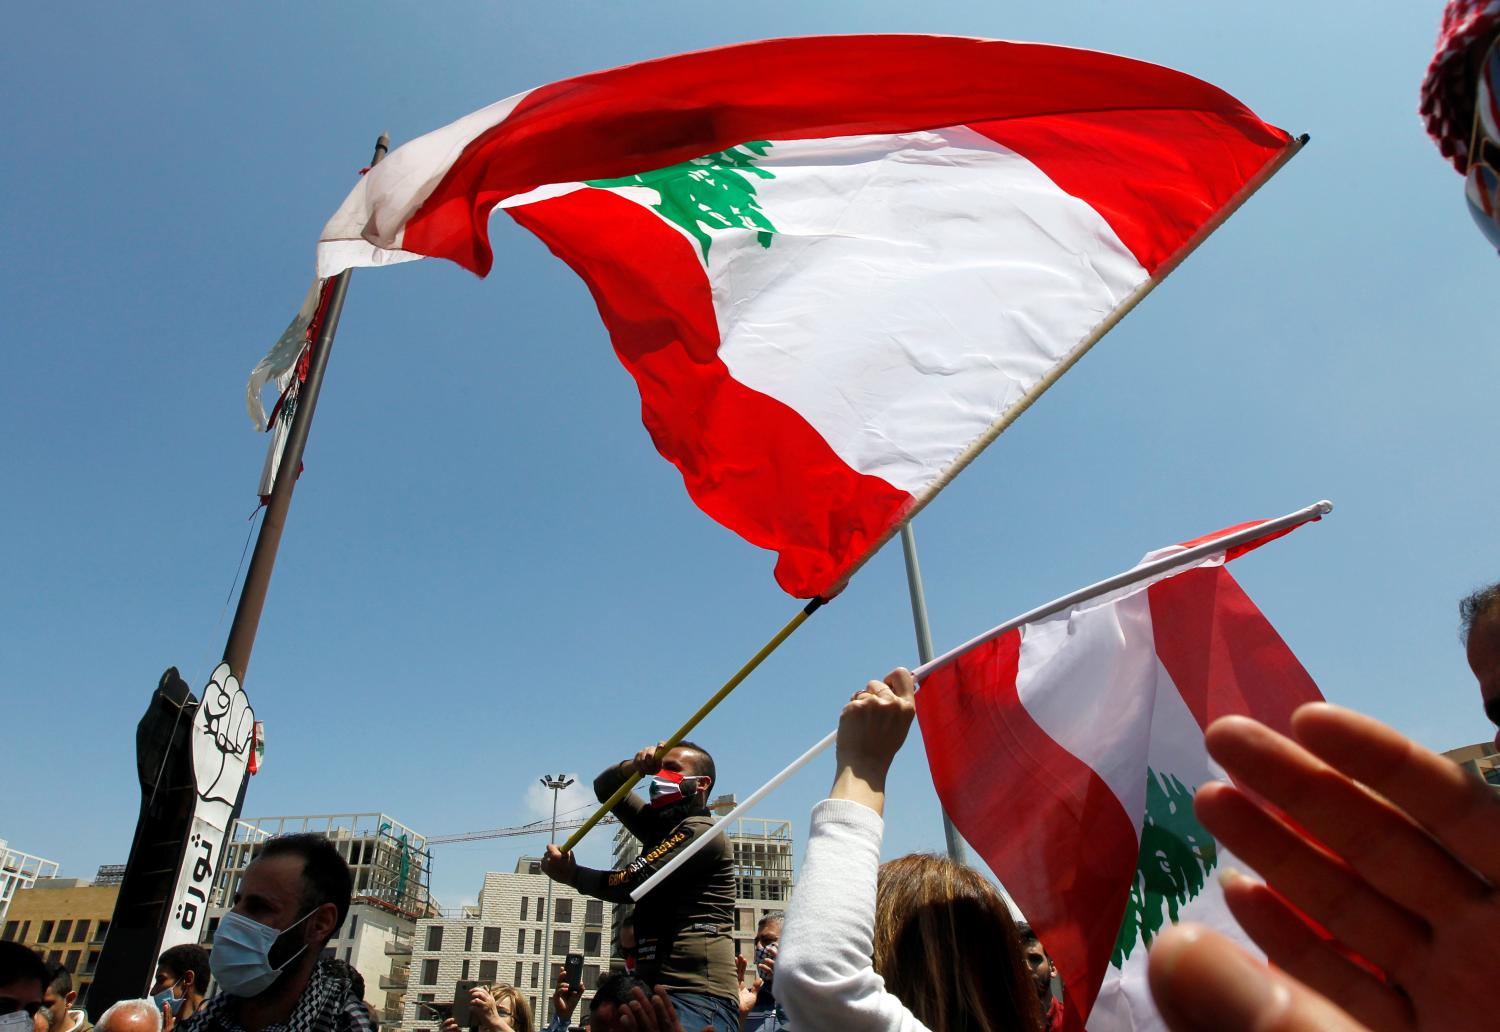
x,y
90,962
11,927
489,971
593,912
520,940
491,939
71,963
535,971
536,941
55,957
45,935
353,924
469,939
63,928
525,900
213,926
348,954
25,931
590,976
434,937
429,971
81,931
562,911
464,974
592,944
562,941
520,967
541,908
101,929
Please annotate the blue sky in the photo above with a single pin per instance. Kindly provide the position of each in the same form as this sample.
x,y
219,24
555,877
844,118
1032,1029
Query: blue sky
x,y
488,574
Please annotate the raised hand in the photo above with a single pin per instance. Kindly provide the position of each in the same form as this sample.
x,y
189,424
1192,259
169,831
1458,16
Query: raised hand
x,y
1392,849
224,729
655,1014
566,996
1202,982
645,761
559,866
872,728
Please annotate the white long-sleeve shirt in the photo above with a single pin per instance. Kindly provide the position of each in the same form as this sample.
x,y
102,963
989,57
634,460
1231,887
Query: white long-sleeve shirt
x,y
824,974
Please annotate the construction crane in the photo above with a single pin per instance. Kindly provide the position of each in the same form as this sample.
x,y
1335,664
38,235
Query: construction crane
x,y
534,828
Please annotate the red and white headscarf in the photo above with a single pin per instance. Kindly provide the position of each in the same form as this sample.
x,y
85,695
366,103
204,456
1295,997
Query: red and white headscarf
x,y
1448,91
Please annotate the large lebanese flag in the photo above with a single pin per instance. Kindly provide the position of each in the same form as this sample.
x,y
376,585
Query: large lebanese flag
x,y
1067,752
833,265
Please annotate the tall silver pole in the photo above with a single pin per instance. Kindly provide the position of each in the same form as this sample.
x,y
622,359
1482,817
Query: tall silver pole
x,y
556,784
958,850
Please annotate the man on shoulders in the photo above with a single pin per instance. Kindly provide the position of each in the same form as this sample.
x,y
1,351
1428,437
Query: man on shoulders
x,y
683,927
58,999
266,951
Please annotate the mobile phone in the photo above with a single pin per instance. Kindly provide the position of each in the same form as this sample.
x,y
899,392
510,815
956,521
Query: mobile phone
x,y
461,1009
573,971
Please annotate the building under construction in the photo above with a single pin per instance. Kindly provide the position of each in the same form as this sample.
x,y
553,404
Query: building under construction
x,y
390,862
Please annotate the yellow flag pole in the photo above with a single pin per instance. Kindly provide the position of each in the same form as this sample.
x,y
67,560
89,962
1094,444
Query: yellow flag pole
x,y
693,721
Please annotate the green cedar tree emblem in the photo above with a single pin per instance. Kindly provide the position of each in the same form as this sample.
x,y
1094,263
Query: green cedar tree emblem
x,y
713,192
1176,856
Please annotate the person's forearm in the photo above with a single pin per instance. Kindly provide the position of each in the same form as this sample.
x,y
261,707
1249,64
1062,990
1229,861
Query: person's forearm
x,y
860,783
611,778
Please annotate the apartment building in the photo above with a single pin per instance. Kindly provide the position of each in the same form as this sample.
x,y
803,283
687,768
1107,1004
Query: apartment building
x,y
502,939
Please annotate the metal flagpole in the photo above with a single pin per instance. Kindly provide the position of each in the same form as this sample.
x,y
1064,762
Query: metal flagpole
x,y
958,850
193,803
557,784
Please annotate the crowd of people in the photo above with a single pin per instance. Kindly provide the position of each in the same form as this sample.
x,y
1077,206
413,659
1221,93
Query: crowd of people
x,y
1380,862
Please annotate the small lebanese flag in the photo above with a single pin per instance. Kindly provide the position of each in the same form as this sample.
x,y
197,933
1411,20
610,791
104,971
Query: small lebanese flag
x,y
832,264
1067,752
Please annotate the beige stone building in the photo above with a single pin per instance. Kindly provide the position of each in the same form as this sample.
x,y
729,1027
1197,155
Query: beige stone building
x,y
501,939
1481,759
65,920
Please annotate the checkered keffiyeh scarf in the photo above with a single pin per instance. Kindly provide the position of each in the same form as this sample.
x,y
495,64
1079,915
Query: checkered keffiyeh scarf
x,y
1448,91
328,1004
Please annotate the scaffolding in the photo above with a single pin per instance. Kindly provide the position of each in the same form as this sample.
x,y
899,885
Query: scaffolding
x,y
390,862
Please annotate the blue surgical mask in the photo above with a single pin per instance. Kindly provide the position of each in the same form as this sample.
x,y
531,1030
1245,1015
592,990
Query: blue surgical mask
x,y
240,960
167,996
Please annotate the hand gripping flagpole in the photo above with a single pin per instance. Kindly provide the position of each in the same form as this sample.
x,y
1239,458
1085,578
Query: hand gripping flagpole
x,y
1136,575
693,721
1109,322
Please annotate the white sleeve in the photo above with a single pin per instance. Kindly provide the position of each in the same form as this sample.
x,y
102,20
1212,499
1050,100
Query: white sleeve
x,y
824,975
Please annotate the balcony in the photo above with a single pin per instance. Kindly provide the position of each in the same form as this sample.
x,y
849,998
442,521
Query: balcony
x,y
399,947
394,981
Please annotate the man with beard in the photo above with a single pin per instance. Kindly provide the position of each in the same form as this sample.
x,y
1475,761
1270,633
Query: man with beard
x,y
683,927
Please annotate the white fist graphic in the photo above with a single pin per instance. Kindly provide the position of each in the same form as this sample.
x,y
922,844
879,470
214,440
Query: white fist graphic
x,y
224,730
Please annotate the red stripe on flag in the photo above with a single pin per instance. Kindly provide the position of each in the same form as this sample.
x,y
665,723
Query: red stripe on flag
x,y
654,114
818,514
1156,176
1049,827
1222,653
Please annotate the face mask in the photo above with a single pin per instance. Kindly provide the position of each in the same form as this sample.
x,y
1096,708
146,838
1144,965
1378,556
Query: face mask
x,y
167,996
761,953
240,959
666,788
15,1021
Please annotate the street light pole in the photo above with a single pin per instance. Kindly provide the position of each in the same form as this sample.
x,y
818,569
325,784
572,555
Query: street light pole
x,y
556,784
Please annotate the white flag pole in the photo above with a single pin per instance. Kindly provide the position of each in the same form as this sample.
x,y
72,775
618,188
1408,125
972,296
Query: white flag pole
x,y
1136,575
